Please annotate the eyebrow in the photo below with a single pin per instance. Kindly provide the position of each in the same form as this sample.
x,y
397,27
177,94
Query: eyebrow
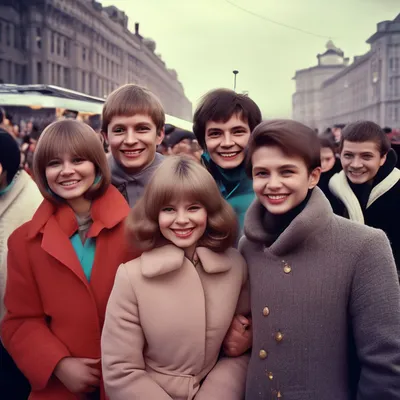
x,y
234,127
286,166
364,153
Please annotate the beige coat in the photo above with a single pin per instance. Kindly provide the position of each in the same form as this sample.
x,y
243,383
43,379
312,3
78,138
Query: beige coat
x,y
165,323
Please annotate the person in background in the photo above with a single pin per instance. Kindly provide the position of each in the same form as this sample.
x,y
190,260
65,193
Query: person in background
x,y
330,164
19,199
222,123
368,188
337,132
170,309
182,142
133,124
324,290
61,266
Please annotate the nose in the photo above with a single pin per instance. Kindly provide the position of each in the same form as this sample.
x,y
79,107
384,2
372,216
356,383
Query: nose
x,y
130,138
227,140
356,163
274,182
67,169
181,217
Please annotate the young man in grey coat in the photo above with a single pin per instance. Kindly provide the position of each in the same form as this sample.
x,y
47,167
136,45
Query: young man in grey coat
x,y
133,122
325,297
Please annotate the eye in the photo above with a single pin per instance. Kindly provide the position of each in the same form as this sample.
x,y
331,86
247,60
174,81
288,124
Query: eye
x,y
213,134
78,160
168,209
194,208
347,155
143,128
261,174
287,172
367,158
240,132
53,163
118,129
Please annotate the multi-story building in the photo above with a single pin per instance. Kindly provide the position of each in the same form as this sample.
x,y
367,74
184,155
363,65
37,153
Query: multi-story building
x,y
369,88
80,45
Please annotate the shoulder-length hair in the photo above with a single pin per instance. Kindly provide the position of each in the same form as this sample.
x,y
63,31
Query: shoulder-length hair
x,y
78,140
179,177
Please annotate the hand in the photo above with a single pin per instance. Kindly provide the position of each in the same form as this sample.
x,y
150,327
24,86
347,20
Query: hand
x,y
79,375
239,336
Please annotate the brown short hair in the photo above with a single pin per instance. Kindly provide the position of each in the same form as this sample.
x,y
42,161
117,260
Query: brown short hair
x,y
292,137
328,143
75,138
180,176
131,99
366,131
219,105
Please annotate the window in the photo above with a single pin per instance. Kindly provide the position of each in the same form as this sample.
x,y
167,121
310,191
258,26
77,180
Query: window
x,y
67,77
52,43
39,37
53,74
83,81
394,64
59,75
8,35
1,32
83,53
39,72
58,45
10,79
66,48
16,38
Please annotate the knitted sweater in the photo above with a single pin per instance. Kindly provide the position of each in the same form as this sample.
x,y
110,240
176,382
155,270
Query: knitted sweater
x,y
323,292
16,207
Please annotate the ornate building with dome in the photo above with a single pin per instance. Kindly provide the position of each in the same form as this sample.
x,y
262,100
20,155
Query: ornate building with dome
x,y
83,46
335,91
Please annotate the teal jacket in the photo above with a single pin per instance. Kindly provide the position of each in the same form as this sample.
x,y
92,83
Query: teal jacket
x,y
234,185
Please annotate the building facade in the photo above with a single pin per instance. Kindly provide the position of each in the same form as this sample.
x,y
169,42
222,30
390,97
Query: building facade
x,y
369,88
80,45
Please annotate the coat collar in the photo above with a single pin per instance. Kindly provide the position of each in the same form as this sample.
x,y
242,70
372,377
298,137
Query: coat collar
x,y
65,217
168,258
316,215
339,186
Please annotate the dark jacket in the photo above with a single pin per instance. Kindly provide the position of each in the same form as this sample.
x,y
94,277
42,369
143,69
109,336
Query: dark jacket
x,y
323,183
324,287
378,206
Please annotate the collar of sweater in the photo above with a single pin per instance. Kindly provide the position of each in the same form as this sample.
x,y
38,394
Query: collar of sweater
x,y
315,216
120,176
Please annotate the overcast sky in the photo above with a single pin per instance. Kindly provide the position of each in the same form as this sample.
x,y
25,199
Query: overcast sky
x,y
205,40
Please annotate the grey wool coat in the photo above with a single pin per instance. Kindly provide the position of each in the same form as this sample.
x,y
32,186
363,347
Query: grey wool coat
x,y
325,290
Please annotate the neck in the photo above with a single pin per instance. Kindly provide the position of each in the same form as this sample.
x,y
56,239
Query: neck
x,y
190,251
80,206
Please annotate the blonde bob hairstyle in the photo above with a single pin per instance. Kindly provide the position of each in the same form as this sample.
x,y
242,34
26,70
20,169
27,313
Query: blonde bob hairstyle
x,y
76,139
177,178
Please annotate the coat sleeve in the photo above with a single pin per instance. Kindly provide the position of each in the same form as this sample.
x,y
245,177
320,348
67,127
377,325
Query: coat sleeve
x,y
375,317
122,344
24,331
227,380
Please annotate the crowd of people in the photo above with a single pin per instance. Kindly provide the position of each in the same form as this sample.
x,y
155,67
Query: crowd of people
x,y
247,259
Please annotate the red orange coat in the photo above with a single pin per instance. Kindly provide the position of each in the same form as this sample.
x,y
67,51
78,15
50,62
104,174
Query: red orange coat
x,y
52,310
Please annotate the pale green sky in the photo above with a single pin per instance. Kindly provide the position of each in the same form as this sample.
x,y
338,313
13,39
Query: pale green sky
x,y
205,40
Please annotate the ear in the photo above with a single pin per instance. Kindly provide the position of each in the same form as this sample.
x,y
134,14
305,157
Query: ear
x,y
1,169
160,136
104,134
382,160
314,178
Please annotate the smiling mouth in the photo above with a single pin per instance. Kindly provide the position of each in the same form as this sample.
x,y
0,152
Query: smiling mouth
x,y
183,233
132,153
357,173
229,155
69,183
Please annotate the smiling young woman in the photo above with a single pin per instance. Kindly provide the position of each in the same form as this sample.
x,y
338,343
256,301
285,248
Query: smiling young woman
x,y
62,264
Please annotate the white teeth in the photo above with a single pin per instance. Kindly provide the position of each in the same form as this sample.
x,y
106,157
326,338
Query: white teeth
x,y
132,153
277,197
70,183
228,155
183,232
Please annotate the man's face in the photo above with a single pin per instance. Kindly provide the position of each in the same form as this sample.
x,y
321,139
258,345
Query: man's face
x,y
226,141
133,141
281,182
361,161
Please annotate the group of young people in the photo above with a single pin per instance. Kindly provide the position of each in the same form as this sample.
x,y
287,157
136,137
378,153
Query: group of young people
x,y
143,277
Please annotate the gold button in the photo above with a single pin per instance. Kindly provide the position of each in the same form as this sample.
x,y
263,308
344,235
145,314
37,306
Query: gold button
x,y
287,269
279,336
270,376
263,354
265,311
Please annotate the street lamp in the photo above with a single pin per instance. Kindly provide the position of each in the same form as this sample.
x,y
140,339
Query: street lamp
x,y
235,72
